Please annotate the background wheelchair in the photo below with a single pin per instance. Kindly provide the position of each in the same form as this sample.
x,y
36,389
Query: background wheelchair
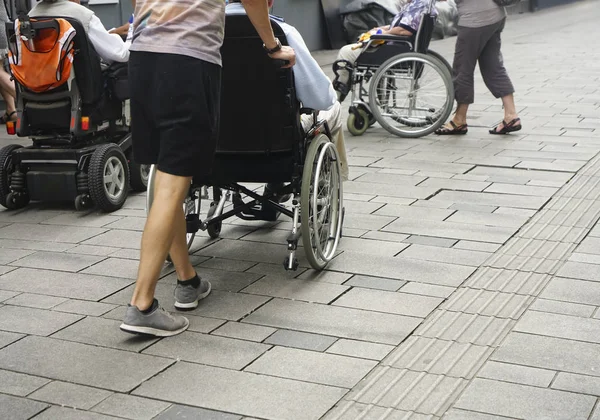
x,y
402,84
80,134
261,140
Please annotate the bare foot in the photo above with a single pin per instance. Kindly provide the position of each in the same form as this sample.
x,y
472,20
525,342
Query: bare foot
x,y
508,125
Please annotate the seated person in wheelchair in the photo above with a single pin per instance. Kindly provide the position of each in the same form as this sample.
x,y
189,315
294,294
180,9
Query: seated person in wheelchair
x,y
110,47
313,87
405,23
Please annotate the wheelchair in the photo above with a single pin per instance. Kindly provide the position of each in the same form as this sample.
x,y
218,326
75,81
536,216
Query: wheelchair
x,y
261,140
80,132
402,84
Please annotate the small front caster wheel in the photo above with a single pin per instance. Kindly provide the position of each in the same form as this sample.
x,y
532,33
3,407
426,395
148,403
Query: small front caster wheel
x,y
372,119
358,122
15,201
83,202
295,264
213,229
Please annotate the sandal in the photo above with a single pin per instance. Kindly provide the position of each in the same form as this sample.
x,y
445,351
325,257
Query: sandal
x,y
508,127
7,117
456,129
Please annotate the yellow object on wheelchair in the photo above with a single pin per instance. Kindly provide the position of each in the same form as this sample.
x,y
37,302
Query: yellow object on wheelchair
x,y
364,39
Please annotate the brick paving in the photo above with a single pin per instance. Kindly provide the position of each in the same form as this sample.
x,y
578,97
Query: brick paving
x,y
466,286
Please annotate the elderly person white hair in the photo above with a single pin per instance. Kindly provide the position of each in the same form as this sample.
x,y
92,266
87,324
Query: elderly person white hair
x,y
110,47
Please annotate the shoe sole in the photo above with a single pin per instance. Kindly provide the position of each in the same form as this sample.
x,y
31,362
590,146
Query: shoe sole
x,y
193,305
133,329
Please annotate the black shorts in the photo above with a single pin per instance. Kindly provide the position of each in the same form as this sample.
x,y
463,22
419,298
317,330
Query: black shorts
x,y
175,105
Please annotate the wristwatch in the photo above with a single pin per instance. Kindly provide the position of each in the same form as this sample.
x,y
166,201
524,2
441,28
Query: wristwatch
x,y
275,49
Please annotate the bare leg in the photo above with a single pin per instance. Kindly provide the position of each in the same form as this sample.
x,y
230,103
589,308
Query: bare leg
x,y
510,113
7,90
159,233
179,250
510,110
6,84
9,101
459,118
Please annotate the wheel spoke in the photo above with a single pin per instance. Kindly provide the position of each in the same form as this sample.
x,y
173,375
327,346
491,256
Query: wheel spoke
x,y
318,219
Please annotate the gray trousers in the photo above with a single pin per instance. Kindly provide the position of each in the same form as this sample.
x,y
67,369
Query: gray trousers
x,y
483,45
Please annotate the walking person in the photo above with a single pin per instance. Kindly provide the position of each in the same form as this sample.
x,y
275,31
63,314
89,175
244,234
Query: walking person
x,y
174,76
480,25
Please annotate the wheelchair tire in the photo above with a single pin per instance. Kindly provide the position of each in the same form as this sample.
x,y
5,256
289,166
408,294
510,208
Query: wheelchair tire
x,y
442,60
358,122
108,177
138,176
321,202
372,119
443,64
411,66
6,169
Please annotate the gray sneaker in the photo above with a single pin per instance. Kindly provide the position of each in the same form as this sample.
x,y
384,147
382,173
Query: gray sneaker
x,y
187,297
159,322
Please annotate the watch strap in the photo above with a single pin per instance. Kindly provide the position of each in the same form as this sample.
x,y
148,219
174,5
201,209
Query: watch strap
x,y
273,50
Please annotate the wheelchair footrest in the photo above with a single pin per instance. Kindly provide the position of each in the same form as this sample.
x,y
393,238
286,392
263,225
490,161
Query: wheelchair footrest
x,y
255,212
342,88
259,213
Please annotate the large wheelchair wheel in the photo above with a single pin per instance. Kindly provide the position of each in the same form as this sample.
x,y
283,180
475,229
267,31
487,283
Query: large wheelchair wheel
x,y
138,174
321,202
108,177
6,170
442,60
191,204
411,95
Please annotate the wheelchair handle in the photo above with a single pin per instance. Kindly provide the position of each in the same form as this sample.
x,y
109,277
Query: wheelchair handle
x,y
390,38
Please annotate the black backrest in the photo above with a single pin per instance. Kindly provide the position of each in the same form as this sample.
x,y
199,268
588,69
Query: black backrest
x,y
86,64
259,110
425,33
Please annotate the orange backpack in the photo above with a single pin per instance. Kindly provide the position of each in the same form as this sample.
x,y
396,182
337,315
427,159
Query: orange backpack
x,y
44,62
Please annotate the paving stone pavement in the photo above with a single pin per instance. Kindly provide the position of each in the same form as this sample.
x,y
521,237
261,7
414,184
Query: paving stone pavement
x,y
466,286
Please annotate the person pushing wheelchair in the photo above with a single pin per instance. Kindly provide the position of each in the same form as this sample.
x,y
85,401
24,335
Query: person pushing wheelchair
x,y
175,73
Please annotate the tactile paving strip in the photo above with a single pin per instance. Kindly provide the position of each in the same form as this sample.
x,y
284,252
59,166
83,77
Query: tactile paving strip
x,y
424,376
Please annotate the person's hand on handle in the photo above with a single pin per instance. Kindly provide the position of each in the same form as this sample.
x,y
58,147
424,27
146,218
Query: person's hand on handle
x,y
286,54
258,12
